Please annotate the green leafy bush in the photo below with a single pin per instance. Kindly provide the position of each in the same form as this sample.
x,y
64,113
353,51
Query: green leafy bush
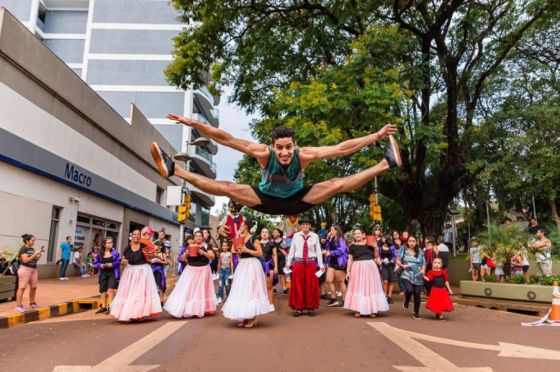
x,y
516,279
546,280
502,241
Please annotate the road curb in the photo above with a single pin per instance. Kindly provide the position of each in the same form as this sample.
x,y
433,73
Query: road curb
x,y
65,308
52,311
527,308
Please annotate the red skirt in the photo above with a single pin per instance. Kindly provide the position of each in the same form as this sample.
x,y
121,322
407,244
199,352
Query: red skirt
x,y
439,301
304,292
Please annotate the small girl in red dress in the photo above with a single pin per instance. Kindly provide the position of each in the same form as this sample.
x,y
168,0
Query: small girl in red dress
x,y
439,300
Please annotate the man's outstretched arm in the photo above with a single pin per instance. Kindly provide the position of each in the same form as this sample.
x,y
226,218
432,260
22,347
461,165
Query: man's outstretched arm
x,y
257,150
309,154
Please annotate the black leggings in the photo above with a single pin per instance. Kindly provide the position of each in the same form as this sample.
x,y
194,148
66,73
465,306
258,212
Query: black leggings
x,y
410,290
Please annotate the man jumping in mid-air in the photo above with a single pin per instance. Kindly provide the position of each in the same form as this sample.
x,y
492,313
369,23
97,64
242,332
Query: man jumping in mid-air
x,y
281,190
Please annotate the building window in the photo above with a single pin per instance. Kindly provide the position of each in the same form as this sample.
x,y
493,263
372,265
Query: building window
x,y
205,217
90,231
159,195
53,234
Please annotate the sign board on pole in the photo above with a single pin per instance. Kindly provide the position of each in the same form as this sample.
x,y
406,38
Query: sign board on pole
x,y
174,194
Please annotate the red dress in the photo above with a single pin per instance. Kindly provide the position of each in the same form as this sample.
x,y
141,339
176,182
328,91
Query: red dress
x,y
439,300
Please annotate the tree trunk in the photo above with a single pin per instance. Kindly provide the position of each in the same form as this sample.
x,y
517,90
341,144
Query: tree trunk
x,y
554,211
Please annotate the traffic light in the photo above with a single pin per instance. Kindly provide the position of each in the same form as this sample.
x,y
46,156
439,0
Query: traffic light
x,y
374,209
184,210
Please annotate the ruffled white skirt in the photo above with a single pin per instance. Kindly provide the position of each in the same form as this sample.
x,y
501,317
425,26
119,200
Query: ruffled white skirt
x,y
248,296
137,296
365,292
193,294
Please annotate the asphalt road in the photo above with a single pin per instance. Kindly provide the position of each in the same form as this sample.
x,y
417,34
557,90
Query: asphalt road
x,y
332,341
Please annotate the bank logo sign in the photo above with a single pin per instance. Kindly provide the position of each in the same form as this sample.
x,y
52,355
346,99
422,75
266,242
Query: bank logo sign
x,y
74,175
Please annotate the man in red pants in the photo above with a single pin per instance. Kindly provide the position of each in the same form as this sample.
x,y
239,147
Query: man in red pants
x,y
304,257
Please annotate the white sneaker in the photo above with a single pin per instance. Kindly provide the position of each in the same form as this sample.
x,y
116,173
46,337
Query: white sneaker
x,y
61,279
339,294
219,300
66,278
84,276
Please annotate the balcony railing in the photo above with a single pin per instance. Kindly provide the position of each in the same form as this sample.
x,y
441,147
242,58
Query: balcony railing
x,y
207,156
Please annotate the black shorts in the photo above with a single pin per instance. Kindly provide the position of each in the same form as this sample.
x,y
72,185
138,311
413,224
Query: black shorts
x,y
107,280
289,206
333,264
525,268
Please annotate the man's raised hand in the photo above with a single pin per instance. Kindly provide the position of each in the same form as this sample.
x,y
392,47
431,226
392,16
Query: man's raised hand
x,y
386,131
182,119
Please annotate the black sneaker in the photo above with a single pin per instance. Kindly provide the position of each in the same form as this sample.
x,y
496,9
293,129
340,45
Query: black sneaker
x,y
416,316
285,292
311,313
393,154
275,291
405,305
325,297
296,313
165,164
332,303
101,310
389,300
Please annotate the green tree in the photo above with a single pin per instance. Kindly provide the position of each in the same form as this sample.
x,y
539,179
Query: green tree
x,y
522,132
265,50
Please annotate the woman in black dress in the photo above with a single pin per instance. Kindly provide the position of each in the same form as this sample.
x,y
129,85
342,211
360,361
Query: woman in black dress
x,y
270,261
281,254
137,297
107,263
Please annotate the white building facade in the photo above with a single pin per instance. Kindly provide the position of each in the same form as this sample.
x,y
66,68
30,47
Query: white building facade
x,y
70,165
121,49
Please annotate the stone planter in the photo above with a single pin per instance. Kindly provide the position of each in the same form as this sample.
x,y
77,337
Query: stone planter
x,y
507,291
7,287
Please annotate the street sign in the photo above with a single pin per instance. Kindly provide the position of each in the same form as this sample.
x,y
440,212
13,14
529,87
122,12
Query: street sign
x,y
174,194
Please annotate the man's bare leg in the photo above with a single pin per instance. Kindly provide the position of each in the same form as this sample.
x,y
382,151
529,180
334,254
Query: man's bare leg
x,y
240,193
325,190
243,194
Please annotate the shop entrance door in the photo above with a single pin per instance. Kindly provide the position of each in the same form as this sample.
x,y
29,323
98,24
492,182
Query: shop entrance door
x,y
90,231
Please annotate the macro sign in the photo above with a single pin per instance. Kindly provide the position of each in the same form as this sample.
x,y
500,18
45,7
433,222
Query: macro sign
x,y
76,176
27,155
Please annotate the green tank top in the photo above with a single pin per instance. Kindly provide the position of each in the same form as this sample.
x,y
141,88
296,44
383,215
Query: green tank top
x,y
279,181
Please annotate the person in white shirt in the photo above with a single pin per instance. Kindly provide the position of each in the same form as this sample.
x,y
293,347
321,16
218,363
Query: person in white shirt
x,y
77,262
443,252
305,257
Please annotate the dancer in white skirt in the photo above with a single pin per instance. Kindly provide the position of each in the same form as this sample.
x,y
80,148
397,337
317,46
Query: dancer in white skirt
x,y
365,293
137,296
194,293
248,297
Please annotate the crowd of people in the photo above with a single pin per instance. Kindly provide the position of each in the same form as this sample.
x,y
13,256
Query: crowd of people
x,y
252,267
482,265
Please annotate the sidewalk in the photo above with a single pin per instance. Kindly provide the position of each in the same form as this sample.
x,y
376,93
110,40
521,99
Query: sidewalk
x,y
58,298
55,291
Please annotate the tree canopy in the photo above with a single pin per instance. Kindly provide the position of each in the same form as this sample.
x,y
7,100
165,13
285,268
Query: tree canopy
x,y
339,69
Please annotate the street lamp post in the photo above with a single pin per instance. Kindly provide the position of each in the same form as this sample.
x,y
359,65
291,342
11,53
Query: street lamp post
x,y
186,158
